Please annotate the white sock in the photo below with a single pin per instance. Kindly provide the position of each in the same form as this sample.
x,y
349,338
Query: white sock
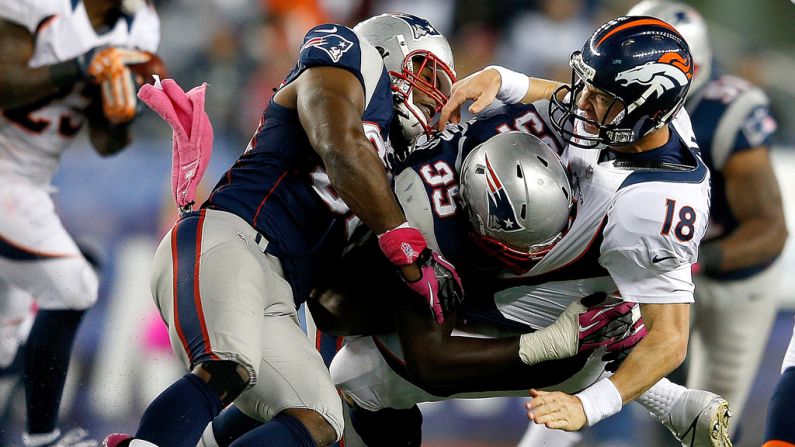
x,y
40,439
661,397
208,437
141,443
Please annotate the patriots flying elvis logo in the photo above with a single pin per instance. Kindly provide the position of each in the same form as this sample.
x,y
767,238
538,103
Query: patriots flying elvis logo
x,y
502,215
333,44
420,27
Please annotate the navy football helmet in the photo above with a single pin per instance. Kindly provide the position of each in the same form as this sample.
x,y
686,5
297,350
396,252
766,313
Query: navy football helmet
x,y
690,25
643,64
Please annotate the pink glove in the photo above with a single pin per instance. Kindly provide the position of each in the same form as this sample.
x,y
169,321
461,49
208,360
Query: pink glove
x,y
605,324
439,283
192,138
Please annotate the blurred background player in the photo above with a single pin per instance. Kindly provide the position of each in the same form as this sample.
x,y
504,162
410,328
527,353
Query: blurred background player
x,y
61,66
737,274
779,427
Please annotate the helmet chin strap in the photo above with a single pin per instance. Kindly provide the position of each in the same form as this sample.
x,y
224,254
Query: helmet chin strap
x,y
131,6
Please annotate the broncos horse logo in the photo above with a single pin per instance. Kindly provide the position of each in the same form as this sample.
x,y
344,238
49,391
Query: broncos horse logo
x,y
663,74
333,44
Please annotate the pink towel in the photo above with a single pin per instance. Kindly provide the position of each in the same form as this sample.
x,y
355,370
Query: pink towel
x,y
192,138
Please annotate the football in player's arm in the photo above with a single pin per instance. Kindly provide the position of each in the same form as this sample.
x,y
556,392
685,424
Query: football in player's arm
x,y
58,70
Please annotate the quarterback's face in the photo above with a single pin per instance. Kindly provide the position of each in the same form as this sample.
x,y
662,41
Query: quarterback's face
x,y
597,106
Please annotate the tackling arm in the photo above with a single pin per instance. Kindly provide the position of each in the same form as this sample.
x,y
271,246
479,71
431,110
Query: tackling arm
x,y
330,102
493,83
660,352
443,364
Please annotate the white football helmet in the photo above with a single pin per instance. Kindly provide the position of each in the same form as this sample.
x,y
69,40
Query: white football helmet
x,y
689,23
517,196
408,45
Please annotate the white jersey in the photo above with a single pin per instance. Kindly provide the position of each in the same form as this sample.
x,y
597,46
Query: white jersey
x,y
33,138
635,234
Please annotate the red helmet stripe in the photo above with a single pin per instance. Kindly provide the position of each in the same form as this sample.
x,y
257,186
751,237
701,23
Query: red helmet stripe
x,y
492,176
633,24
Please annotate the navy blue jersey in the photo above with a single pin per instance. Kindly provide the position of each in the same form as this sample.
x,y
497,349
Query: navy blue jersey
x,y
279,185
729,115
437,161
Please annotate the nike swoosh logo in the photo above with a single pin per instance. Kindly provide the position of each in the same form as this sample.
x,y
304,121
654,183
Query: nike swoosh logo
x,y
430,298
333,29
656,259
585,328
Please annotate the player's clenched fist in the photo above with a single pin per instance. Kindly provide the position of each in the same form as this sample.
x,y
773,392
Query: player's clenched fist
x,y
110,69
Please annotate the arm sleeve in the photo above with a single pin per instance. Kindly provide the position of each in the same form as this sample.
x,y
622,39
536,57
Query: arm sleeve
x,y
338,46
746,123
145,31
26,13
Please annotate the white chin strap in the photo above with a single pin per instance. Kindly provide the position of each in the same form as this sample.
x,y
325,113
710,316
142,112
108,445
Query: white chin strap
x,y
410,125
131,6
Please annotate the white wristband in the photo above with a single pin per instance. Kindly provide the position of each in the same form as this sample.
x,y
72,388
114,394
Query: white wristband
x,y
600,400
513,85
403,225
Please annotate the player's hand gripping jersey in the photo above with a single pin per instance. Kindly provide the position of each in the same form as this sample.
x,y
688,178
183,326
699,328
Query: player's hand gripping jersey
x,y
32,138
635,228
279,185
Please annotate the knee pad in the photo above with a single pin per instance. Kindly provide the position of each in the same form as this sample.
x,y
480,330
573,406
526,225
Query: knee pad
x,y
79,292
85,295
225,379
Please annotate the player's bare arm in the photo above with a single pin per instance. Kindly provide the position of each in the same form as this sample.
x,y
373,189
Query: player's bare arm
x,y
106,137
21,85
662,349
444,364
755,199
330,102
489,84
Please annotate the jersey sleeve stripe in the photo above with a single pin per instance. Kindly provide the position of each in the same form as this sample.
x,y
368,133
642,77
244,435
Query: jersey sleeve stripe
x,y
726,130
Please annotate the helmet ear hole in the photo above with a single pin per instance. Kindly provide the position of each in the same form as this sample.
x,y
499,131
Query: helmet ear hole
x,y
541,159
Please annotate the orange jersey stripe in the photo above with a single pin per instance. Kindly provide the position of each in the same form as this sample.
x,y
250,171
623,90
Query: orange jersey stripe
x,y
634,24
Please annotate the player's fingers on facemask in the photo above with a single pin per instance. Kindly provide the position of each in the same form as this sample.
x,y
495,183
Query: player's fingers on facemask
x,y
446,114
483,100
